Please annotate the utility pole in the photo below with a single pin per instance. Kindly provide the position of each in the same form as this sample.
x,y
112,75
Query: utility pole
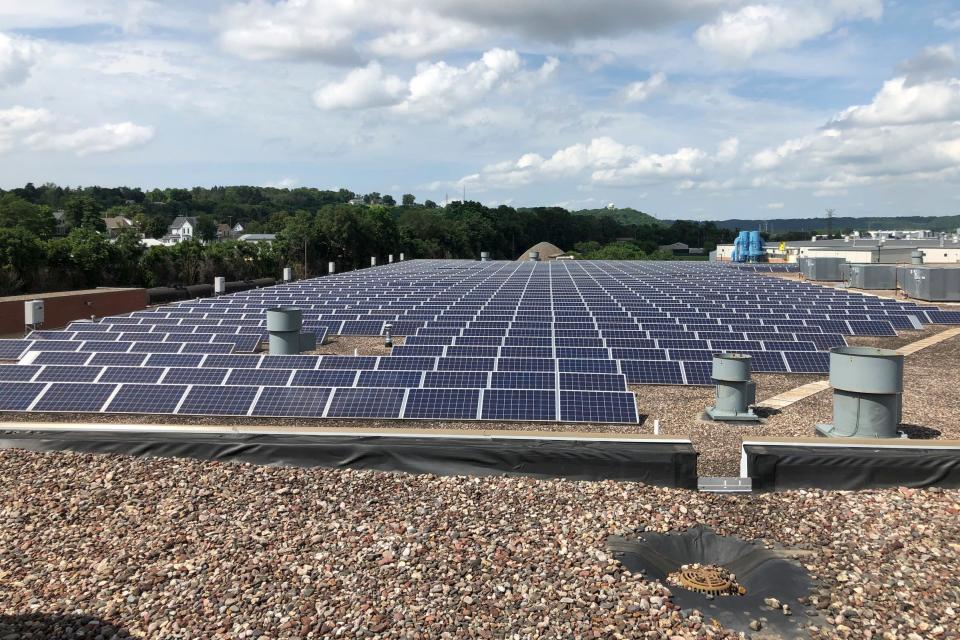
x,y
830,213
305,275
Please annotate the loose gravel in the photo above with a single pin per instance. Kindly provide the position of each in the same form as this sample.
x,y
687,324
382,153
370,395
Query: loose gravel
x,y
99,546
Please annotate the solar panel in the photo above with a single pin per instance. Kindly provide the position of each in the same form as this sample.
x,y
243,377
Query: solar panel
x,y
651,371
146,398
442,404
259,377
304,402
348,362
289,362
767,362
409,364
523,380
217,400
454,379
70,396
120,359
67,373
173,360
131,374
526,364
366,403
466,364
808,362
324,378
697,372
598,406
519,404
183,375
389,379
588,366
593,382
231,361
18,396
417,350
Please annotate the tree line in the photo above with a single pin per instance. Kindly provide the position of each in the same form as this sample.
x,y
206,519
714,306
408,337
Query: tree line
x,y
38,252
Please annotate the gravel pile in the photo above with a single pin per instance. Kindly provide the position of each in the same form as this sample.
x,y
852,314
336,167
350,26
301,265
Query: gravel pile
x,y
101,546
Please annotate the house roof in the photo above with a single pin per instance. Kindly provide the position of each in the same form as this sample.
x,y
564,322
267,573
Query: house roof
x,y
547,251
257,237
179,220
118,222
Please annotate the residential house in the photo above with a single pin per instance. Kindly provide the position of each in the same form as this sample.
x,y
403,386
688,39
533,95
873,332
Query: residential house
x,y
355,201
257,237
117,224
180,229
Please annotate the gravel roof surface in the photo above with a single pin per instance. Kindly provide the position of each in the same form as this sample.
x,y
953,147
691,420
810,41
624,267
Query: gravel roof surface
x,y
165,548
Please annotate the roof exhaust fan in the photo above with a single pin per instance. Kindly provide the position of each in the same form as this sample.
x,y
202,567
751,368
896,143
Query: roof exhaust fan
x,y
867,387
735,390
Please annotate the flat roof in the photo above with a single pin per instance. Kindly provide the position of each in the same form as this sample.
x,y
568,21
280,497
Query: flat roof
x,y
64,294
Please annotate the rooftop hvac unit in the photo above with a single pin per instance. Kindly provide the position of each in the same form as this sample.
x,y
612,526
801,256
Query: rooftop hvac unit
x,y
867,385
916,256
823,269
219,285
933,284
872,276
287,274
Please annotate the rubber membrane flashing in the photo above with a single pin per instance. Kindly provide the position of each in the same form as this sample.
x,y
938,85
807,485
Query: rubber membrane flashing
x,y
763,573
665,463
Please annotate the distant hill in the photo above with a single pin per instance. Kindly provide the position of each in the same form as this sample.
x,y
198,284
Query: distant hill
x,y
625,215
819,225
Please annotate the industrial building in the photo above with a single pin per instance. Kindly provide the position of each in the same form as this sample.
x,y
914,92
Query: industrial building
x,y
942,249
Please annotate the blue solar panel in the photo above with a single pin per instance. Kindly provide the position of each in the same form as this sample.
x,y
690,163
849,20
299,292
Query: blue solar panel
x,y
63,345
871,328
598,406
324,378
767,362
230,361
218,400
214,347
70,396
184,375
697,372
442,404
526,352
523,380
259,377
651,371
472,352
146,398
417,350
172,360
808,362
593,382
18,373
67,373
18,396
409,364
526,364
588,366
152,347
466,364
131,374
366,403
639,354
61,357
453,379
348,362
823,341
519,404
305,402
289,362
389,379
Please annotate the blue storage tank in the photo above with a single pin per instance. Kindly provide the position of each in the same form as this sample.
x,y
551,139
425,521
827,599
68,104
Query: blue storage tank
x,y
756,246
741,247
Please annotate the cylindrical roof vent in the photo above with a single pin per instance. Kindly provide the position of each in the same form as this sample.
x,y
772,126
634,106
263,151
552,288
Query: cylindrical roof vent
x,y
534,256
283,324
735,391
484,256
867,387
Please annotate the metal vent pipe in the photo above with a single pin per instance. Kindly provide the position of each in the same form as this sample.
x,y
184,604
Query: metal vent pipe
x,y
735,390
867,387
534,256
283,324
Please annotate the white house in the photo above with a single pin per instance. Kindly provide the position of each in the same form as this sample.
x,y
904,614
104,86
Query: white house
x,y
180,229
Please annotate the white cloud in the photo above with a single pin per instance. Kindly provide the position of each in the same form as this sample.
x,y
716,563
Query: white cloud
x,y
933,63
361,89
950,22
898,103
761,28
17,121
435,88
283,183
99,139
728,149
17,56
642,90
774,205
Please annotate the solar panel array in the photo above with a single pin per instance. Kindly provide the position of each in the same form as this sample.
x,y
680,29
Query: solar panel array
x,y
507,341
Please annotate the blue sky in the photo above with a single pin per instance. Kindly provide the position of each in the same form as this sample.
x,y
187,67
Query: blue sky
x,y
702,109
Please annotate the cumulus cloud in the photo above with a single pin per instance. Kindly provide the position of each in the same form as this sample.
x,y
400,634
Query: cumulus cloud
x,y
38,129
361,89
642,90
904,133
602,161
435,88
761,28
933,63
100,139
17,56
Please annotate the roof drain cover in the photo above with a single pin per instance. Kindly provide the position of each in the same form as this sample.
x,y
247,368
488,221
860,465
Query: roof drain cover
x,y
748,573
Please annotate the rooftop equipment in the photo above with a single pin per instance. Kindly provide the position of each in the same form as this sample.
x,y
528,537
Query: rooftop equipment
x,y
534,256
219,285
823,269
33,313
916,256
331,267
756,247
872,276
283,324
388,335
930,283
287,274
867,386
484,256
735,390
373,261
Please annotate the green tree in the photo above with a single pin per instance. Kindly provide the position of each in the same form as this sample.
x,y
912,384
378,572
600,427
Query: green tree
x,y
21,255
429,204
83,211
17,212
388,201
408,200
206,228
84,256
